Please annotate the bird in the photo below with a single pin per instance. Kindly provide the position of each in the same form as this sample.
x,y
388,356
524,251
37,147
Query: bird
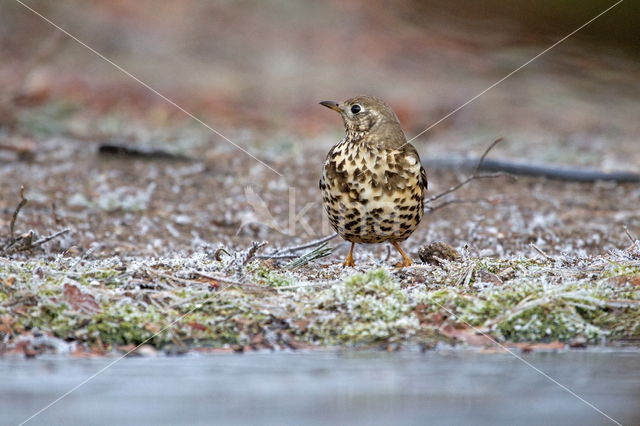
x,y
373,183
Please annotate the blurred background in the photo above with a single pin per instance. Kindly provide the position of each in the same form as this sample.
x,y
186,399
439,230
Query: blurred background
x,y
256,70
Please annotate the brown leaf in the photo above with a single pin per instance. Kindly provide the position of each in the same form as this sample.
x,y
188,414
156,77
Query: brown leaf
x,y
626,279
152,327
6,322
530,347
79,300
197,326
467,335
301,324
81,352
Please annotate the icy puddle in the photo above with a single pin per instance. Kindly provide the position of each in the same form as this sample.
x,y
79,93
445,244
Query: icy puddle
x,y
373,388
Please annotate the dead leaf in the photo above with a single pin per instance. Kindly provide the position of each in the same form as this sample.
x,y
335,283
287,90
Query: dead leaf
x,y
467,335
434,318
6,322
197,326
530,347
152,327
80,352
626,279
79,300
301,325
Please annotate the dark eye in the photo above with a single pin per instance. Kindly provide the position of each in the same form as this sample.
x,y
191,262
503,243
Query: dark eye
x,y
356,109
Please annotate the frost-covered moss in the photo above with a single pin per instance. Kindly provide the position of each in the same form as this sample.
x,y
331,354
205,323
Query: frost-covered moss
x,y
127,301
271,277
365,308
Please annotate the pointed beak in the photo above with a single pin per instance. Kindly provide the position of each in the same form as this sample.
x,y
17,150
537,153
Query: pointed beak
x,y
332,105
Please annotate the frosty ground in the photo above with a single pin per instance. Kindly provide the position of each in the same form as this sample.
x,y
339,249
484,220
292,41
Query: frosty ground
x,y
174,254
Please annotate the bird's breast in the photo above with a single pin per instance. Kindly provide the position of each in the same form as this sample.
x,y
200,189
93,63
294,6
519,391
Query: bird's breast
x,y
372,194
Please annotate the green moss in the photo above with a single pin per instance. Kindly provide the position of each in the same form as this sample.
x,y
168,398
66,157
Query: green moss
x,y
535,302
365,308
126,324
268,276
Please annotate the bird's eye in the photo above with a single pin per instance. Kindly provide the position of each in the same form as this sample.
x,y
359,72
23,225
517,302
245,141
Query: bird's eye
x,y
356,109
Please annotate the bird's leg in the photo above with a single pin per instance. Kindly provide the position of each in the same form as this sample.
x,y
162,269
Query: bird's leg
x,y
406,260
349,260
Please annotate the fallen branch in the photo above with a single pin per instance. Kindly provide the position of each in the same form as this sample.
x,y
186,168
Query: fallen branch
x,y
565,174
471,178
122,150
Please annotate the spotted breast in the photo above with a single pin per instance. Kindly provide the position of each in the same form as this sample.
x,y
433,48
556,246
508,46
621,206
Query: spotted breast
x,y
372,195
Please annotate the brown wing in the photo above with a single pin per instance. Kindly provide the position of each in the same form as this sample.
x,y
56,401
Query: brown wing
x,y
423,179
408,148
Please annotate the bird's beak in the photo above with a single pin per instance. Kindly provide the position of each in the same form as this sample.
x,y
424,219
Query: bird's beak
x,y
332,105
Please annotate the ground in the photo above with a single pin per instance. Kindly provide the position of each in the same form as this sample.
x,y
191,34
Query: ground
x,y
142,262
159,250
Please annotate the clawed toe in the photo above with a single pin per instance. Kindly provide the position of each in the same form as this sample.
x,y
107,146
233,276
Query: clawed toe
x,y
404,264
349,264
349,260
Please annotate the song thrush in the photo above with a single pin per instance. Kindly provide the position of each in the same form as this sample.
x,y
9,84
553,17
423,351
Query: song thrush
x,y
372,183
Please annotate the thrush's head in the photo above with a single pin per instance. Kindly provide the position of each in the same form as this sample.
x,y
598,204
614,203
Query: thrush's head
x,y
365,116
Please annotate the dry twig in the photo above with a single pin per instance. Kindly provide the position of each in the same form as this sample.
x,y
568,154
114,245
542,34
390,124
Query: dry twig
x,y
21,204
233,283
473,177
49,238
317,253
25,241
251,253
539,250
626,231
288,252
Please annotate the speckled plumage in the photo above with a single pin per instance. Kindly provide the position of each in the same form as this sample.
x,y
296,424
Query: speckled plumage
x,y
373,182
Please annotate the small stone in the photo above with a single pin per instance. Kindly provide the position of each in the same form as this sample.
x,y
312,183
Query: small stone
x,y
147,351
434,252
578,342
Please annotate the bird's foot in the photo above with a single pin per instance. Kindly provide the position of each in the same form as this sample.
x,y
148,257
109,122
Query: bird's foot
x,y
349,262
406,262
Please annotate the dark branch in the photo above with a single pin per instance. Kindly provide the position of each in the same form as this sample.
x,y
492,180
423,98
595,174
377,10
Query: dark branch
x,y
473,177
